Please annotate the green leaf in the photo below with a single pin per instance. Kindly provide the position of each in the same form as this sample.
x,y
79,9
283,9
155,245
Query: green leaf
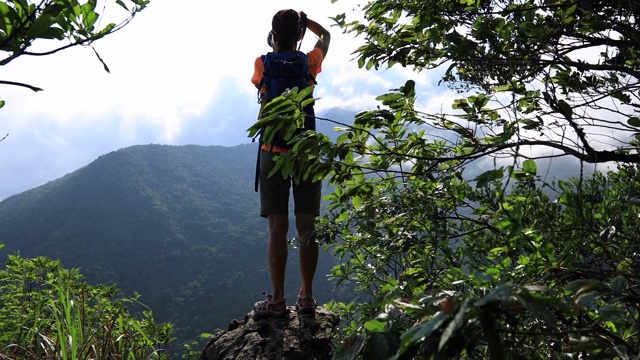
x,y
479,101
492,271
634,121
22,4
119,2
499,295
351,348
104,65
307,102
489,326
390,99
409,88
521,175
2,103
279,105
344,216
529,166
416,333
375,325
499,250
565,109
357,202
618,284
304,93
585,290
377,347
538,309
489,176
623,97
455,324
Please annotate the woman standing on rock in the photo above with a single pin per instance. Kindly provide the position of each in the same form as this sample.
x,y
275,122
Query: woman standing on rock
x,y
288,28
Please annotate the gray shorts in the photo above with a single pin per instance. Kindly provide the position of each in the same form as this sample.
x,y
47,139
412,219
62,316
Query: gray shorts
x,y
274,191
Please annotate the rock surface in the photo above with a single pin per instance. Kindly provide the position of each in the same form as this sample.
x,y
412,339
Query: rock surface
x,y
291,337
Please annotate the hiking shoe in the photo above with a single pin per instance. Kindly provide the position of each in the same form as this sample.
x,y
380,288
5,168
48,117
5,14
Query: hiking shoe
x,y
267,309
306,305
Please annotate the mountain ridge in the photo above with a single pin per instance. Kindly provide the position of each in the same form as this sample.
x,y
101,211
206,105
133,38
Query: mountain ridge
x,y
179,224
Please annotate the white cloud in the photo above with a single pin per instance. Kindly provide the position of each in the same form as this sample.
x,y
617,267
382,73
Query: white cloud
x,y
180,74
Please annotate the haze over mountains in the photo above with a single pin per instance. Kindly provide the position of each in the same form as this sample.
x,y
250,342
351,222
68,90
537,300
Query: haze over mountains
x,y
178,224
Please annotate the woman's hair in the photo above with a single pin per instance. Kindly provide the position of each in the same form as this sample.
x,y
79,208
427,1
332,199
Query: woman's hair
x,y
288,24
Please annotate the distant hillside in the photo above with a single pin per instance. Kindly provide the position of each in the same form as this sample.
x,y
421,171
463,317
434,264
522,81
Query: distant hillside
x,y
178,224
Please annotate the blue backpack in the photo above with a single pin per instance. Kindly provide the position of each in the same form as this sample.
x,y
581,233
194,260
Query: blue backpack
x,y
282,71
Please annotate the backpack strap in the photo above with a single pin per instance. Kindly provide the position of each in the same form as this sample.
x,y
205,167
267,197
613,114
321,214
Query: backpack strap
x,y
257,181
261,95
258,135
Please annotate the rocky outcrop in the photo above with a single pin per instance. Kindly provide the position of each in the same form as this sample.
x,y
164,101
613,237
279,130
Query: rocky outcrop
x,y
291,337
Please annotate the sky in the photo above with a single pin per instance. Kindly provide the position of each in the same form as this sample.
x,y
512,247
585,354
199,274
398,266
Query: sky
x,y
179,74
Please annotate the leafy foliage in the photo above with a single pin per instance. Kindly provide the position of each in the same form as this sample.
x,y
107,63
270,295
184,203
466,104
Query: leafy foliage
x,y
289,105
49,312
498,270
498,265
560,74
27,23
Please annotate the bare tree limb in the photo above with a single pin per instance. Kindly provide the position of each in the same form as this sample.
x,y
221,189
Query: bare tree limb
x,y
34,88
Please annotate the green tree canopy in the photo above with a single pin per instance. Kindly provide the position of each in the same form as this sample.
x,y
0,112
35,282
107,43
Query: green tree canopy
x,y
504,266
563,74
66,23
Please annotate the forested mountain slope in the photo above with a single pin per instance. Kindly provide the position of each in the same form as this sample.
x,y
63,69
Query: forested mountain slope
x,y
179,224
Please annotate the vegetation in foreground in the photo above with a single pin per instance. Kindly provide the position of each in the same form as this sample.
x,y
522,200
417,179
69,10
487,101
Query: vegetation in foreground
x,y
48,312
504,264
507,266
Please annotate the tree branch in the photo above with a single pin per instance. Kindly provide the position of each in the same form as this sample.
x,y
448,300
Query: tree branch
x,y
36,89
594,157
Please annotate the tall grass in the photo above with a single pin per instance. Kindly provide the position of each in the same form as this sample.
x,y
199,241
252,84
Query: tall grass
x,y
47,312
69,323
